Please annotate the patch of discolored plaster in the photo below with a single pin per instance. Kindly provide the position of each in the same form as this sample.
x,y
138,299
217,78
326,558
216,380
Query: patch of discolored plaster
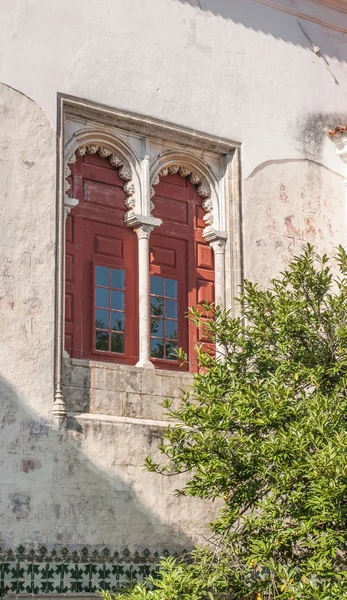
x,y
20,504
287,204
30,464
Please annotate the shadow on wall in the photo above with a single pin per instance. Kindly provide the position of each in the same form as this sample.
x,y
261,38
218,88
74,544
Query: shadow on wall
x,y
276,23
53,494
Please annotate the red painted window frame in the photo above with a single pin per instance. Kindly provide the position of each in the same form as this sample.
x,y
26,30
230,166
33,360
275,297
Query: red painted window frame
x,y
178,274
191,232
85,221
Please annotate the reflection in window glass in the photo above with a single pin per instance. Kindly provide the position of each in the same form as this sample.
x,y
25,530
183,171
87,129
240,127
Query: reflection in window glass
x,y
170,288
102,297
171,328
117,300
109,309
164,315
157,348
157,306
117,343
117,321
101,319
156,285
101,341
171,349
157,328
102,276
117,279
171,309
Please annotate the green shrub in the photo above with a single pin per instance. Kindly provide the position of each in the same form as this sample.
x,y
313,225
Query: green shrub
x,y
265,428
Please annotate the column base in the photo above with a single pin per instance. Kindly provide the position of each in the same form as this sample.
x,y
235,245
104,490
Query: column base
x,y
145,364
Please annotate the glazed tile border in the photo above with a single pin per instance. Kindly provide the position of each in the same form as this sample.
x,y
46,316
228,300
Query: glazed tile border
x,y
39,571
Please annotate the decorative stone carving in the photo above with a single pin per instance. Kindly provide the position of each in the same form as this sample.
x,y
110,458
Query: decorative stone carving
x,y
72,159
184,171
124,169
104,152
218,246
203,189
92,148
125,173
207,205
201,185
194,178
144,231
115,161
156,180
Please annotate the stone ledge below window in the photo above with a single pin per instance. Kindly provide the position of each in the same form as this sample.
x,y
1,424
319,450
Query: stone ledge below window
x,y
120,390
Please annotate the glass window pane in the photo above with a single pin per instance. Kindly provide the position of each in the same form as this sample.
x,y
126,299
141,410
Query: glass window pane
x,y
117,321
117,343
101,319
171,309
117,300
171,288
101,340
171,348
117,278
157,305
157,328
171,330
102,297
157,348
156,285
102,275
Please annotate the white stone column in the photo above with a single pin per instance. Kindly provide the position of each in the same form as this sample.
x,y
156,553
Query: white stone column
x,y
143,232
217,241
218,247
143,226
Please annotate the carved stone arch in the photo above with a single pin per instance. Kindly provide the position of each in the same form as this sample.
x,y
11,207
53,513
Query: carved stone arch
x,y
199,174
107,146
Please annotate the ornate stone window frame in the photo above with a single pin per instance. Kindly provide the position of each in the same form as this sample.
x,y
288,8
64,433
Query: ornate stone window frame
x,y
144,150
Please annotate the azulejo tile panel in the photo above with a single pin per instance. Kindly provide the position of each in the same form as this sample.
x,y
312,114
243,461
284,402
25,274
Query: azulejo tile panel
x,y
39,571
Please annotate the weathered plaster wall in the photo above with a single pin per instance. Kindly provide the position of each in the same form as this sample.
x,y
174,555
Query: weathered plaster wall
x,y
286,204
239,69
236,69
27,249
83,486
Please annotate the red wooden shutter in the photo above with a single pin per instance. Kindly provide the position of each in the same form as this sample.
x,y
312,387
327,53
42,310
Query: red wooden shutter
x,y
101,262
178,250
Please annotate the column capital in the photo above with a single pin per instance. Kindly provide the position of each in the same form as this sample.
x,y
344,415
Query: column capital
x,y
69,204
218,246
136,221
216,239
143,231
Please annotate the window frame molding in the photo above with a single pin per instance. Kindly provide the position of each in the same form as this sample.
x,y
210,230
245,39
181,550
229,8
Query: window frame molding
x,y
107,131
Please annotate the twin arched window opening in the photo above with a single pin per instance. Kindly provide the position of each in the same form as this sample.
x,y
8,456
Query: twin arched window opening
x,y
102,258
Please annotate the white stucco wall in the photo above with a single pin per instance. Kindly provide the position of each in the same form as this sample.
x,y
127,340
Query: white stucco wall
x,y
85,485
230,68
233,68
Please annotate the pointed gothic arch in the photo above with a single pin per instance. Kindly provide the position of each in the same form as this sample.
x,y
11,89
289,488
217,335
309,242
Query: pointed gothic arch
x,y
187,164
120,156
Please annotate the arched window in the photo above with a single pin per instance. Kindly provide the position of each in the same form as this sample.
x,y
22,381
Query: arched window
x,y
101,262
181,270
